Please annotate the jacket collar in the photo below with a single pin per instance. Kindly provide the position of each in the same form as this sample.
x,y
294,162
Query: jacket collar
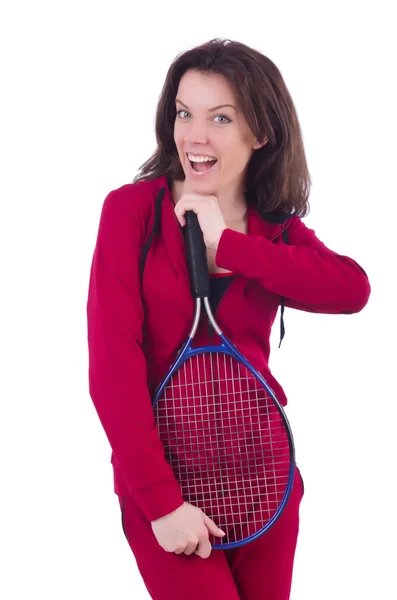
x,y
258,225
172,232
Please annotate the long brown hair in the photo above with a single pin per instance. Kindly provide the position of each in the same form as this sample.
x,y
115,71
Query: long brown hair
x,y
277,176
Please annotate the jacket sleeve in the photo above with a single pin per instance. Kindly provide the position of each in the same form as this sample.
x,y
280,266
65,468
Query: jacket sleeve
x,y
305,272
117,365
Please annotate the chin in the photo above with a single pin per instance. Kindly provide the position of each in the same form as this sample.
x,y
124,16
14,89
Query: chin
x,y
203,187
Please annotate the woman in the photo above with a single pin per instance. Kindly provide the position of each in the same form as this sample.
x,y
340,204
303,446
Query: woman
x,y
230,149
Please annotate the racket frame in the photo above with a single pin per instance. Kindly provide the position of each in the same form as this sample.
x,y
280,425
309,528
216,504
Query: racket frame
x,y
226,347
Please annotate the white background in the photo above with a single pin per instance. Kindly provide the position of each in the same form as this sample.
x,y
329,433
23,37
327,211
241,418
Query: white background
x,y
80,82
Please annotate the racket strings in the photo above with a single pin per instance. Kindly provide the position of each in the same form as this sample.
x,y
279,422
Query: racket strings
x,y
226,443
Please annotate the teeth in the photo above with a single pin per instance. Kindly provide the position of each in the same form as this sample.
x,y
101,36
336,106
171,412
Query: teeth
x,y
194,158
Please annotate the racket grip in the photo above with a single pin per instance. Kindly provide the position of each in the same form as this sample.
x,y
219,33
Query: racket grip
x,y
197,256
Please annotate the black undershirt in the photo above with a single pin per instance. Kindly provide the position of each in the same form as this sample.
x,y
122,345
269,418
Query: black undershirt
x,y
219,283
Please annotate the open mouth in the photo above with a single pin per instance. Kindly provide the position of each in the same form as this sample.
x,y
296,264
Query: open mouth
x,y
200,168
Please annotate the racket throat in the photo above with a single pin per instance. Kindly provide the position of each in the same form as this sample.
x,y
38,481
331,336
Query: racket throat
x,y
211,329
212,324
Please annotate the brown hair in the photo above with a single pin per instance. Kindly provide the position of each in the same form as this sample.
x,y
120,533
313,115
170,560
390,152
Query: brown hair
x,y
277,176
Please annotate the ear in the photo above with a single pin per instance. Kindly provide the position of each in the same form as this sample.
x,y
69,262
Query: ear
x,y
260,143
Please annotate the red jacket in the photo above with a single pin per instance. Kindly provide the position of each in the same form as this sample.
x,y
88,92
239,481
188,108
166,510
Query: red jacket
x,y
131,348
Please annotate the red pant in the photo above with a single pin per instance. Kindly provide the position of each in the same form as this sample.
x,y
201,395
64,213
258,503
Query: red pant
x,y
260,570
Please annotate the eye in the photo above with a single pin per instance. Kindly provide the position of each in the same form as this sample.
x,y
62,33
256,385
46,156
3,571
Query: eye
x,y
178,112
222,117
227,120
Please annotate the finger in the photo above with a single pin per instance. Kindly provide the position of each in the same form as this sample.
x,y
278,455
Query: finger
x,y
181,219
194,545
212,528
203,549
191,547
181,209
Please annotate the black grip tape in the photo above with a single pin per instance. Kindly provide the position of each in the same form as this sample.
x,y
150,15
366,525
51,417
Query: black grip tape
x,y
197,256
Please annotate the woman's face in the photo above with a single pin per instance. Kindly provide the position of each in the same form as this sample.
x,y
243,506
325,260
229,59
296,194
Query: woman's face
x,y
203,129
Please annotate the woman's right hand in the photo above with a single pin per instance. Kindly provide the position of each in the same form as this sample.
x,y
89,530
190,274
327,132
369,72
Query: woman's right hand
x,y
186,530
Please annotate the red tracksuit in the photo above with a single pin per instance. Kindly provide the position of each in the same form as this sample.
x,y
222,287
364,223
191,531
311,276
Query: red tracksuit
x,y
135,330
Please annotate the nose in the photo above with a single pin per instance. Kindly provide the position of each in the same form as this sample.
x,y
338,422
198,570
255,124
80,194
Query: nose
x,y
196,133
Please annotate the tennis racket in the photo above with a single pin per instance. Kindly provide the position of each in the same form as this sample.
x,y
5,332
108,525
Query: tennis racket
x,y
224,432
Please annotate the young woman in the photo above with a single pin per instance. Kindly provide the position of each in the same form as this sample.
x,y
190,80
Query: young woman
x,y
230,149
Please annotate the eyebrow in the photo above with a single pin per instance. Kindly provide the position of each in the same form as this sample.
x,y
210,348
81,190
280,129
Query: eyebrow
x,y
210,109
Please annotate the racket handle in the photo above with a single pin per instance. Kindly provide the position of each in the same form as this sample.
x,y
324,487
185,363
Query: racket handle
x,y
197,256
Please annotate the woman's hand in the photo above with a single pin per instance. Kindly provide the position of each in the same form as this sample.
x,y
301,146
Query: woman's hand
x,y
209,215
186,530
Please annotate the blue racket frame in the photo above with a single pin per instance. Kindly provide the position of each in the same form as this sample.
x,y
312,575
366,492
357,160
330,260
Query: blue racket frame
x,y
226,347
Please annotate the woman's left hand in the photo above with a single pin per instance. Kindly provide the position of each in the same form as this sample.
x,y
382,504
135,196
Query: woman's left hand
x,y
209,215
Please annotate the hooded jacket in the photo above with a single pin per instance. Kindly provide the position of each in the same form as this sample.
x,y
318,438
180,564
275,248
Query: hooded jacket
x,y
138,321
